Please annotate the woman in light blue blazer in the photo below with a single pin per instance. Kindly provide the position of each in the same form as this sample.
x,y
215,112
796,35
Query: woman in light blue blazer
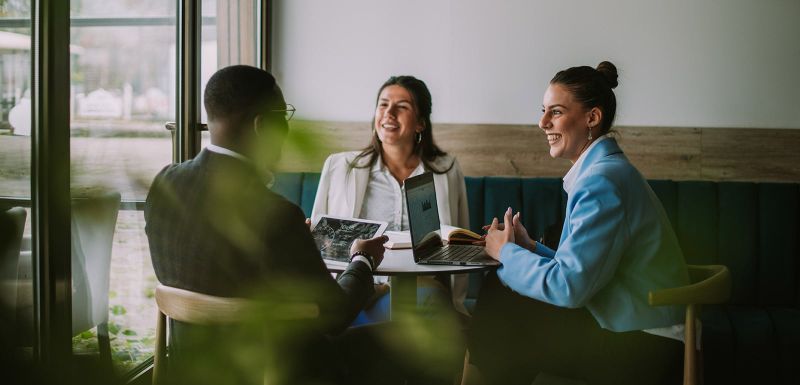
x,y
581,311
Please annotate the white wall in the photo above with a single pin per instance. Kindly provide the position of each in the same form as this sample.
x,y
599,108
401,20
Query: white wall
x,y
696,63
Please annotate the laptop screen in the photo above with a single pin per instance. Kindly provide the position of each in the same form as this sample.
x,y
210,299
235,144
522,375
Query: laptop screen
x,y
423,213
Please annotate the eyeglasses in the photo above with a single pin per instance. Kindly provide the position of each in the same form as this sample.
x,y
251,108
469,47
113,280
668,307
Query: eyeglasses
x,y
288,111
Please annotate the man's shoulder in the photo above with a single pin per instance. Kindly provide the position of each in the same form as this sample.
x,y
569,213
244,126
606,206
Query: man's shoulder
x,y
177,170
281,206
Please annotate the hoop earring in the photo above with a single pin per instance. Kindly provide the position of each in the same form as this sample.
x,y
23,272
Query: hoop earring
x,y
590,133
419,137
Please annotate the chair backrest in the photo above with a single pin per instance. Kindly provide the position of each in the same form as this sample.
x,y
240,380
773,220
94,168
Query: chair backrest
x,y
202,309
12,225
197,308
710,284
190,307
93,223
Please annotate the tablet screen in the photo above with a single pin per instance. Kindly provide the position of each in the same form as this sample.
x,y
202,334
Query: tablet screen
x,y
334,236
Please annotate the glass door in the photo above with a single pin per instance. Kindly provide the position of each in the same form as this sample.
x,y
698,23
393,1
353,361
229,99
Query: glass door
x,y
122,89
125,80
16,257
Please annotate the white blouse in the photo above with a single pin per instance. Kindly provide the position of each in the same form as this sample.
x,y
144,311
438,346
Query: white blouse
x,y
385,198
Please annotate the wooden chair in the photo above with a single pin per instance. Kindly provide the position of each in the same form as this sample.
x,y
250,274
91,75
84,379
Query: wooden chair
x,y
196,308
710,284
201,309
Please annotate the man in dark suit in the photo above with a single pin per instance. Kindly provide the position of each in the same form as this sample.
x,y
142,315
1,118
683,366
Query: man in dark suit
x,y
215,227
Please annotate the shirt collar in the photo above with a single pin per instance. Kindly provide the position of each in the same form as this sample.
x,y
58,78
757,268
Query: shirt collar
x,y
270,177
380,167
225,151
572,174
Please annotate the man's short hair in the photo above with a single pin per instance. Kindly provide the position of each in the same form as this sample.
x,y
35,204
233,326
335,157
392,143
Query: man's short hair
x,y
239,93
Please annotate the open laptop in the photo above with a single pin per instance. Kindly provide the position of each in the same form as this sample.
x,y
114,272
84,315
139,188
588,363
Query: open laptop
x,y
426,239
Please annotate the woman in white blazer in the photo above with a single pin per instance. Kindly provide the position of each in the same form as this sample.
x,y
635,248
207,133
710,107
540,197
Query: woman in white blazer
x,y
369,183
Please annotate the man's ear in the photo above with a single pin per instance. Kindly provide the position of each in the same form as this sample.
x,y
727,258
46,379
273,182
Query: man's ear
x,y
257,122
265,121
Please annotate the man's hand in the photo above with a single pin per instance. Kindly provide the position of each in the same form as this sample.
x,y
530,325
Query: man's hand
x,y
373,247
496,238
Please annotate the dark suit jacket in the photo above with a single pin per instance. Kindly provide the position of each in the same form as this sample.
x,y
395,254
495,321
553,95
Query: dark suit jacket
x,y
215,228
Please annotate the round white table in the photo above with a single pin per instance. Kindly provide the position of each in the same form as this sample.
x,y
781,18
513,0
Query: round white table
x,y
400,266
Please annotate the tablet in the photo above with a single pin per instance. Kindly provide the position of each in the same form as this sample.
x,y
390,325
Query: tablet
x,y
335,235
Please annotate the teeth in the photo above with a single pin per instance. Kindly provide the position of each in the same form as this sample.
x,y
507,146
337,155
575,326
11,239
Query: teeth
x,y
388,125
553,137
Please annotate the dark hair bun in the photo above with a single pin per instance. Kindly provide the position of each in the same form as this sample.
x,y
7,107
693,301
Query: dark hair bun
x,y
609,72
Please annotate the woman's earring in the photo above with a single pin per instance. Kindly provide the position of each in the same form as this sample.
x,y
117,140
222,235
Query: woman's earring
x,y
419,137
590,133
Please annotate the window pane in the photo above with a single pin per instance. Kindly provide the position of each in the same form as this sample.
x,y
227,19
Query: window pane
x,y
122,91
229,36
16,272
15,99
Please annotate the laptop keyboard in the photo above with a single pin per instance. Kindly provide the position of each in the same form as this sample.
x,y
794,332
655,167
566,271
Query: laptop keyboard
x,y
460,254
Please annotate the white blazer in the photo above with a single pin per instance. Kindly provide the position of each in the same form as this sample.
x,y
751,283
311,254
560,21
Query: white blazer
x,y
342,188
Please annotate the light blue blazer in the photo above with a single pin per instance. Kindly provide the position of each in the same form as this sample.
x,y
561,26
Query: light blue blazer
x,y
616,246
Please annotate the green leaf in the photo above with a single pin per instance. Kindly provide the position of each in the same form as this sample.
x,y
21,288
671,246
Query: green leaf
x,y
118,310
113,328
129,332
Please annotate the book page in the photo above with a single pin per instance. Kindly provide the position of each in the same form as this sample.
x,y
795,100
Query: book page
x,y
398,240
447,229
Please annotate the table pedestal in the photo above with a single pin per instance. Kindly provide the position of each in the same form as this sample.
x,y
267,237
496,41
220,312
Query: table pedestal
x,y
403,295
399,265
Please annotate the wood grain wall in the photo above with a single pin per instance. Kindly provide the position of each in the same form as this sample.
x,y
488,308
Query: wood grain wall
x,y
714,154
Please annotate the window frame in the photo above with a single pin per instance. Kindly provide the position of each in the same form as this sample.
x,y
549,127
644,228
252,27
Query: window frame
x,y
50,23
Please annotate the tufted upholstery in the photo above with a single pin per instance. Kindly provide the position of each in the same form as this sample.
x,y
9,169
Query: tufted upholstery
x,y
753,228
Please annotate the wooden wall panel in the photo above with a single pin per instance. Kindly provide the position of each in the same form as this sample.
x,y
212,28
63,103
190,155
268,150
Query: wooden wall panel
x,y
664,152
768,154
678,153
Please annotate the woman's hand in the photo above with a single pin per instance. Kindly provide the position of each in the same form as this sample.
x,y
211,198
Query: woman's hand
x,y
521,234
497,237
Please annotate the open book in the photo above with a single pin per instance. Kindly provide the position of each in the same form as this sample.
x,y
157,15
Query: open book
x,y
450,235
458,236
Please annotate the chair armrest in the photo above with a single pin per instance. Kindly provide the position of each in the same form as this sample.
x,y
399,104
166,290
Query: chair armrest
x,y
712,285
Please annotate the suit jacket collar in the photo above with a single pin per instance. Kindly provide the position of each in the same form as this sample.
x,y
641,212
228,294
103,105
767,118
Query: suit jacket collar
x,y
603,147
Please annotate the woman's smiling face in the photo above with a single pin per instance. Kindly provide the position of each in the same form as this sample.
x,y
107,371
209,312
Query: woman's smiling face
x,y
565,122
396,120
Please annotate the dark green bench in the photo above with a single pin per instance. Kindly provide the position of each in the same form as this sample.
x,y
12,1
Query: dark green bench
x,y
753,228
